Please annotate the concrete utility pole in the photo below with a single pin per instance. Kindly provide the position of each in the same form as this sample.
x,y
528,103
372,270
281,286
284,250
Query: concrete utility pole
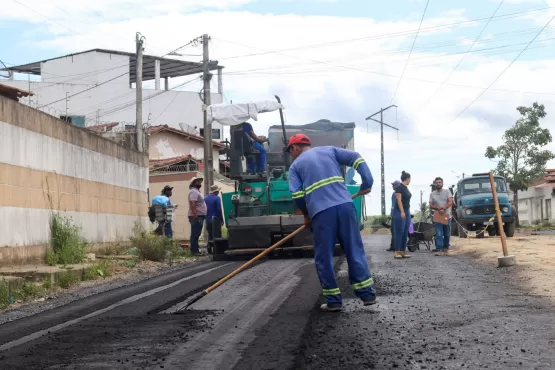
x,y
207,76
66,103
382,124
139,87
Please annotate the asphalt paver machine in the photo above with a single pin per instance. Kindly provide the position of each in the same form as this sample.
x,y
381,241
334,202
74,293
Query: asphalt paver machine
x,y
260,211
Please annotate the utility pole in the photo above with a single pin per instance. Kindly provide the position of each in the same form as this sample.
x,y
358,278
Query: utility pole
x,y
207,76
139,87
382,124
66,104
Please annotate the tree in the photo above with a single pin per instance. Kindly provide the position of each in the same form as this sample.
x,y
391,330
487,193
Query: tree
x,y
522,159
423,214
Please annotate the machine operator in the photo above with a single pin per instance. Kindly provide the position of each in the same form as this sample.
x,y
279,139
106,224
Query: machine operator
x,y
319,191
257,145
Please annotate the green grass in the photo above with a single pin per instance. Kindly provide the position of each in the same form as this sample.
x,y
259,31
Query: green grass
x,y
150,246
9,294
67,279
67,246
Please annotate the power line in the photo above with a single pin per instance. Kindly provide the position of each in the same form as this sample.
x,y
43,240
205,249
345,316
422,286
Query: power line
x,y
80,92
384,35
502,72
410,52
464,56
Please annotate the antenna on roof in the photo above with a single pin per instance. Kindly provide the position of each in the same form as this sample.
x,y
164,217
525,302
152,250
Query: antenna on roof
x,y
187,128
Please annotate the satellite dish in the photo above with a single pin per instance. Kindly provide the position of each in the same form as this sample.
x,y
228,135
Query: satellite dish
x,y
4,71
185,127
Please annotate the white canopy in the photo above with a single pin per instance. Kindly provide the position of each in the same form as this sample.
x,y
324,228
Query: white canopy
x,y
234,114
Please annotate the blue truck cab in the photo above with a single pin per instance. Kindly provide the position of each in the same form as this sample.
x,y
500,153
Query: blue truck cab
x,y
474,208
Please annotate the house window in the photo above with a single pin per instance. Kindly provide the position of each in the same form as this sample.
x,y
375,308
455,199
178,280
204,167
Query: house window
x,y
215,133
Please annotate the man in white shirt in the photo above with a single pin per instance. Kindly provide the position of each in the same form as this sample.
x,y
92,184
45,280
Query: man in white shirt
x,y
441,201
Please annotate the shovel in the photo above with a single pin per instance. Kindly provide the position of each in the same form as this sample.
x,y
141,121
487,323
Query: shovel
x,y
243,267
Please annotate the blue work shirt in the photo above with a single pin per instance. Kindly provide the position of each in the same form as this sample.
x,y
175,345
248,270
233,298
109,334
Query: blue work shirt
x,y
316,181
247,128
161,200
213,207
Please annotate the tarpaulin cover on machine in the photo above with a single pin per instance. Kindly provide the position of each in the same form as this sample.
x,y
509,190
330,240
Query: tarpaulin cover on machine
x,y
321,133
234,114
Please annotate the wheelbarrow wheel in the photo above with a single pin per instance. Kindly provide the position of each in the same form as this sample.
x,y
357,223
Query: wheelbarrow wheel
x,y
412,245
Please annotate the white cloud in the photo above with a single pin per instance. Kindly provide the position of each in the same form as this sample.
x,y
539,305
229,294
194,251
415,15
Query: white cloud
x,y
343,81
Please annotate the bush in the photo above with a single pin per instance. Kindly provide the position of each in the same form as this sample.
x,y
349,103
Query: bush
x,y
67,245
378,220
150,246
66,279
5,294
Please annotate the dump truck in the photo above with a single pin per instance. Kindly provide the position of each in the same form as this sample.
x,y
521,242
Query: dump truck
x,y
474,209
260,211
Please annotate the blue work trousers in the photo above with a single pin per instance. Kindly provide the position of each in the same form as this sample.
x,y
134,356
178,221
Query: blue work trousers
x,y
340,223
400,229
443,235
260,159
169,230
196,230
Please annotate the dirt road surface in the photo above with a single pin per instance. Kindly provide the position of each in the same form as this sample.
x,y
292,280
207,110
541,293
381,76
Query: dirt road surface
x,y
433,313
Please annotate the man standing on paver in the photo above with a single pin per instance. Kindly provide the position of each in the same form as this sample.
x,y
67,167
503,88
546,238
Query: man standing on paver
x,y
319,191
441,201
197,213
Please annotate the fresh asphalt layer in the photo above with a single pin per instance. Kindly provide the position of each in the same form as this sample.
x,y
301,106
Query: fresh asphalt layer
x,y
433,313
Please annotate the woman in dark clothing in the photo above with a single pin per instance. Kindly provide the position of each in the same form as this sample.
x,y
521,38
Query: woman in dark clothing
x,y
401,216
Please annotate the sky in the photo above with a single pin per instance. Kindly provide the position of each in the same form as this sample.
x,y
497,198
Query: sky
x,y
455,77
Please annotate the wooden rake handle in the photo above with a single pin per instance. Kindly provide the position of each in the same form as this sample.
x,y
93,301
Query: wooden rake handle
x,y
259,256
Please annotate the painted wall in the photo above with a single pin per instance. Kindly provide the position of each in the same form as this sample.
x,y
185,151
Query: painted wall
x,y
114,101
180,183
48,165
535,205
169,145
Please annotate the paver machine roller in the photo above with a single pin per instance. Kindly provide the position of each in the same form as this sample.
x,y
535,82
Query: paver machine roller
x,y
260,211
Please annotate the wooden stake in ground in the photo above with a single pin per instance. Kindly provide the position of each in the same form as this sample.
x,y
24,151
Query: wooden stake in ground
x,y
506,260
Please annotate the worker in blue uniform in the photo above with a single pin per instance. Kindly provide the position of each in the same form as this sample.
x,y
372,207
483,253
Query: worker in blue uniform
x,y
319,191
257,145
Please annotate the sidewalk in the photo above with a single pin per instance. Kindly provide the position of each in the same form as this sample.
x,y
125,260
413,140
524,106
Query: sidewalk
x,y
434,313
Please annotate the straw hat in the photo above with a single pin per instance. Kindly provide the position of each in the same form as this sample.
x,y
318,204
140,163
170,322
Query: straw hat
x,y
214,188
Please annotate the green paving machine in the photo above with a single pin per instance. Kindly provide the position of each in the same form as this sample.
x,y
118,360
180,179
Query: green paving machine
x,y
260,211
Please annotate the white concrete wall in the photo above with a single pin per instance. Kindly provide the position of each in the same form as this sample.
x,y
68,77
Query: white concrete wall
x,y
530,205
24,148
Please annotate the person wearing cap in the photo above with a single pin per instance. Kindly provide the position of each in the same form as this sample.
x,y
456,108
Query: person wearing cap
x,y
257,145
197,213
164,200
319,191
214,214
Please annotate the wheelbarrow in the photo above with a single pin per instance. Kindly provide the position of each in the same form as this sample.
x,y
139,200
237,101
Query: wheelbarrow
x,y
424,233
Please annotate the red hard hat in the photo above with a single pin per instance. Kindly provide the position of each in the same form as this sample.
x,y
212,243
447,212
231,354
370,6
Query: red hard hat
x,y
298,139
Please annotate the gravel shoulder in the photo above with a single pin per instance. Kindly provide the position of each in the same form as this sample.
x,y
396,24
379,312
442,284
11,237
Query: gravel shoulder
x,y
434,313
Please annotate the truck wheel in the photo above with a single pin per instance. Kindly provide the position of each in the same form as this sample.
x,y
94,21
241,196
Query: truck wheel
x,y
454,230
461,232
510,229
492,231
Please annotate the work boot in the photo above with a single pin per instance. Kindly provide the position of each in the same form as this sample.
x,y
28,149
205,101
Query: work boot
x,y
405,255
397,255
446,252
370,302
327,308
440,253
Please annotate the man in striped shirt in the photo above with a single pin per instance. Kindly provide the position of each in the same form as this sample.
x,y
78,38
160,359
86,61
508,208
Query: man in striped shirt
x,y
319,191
